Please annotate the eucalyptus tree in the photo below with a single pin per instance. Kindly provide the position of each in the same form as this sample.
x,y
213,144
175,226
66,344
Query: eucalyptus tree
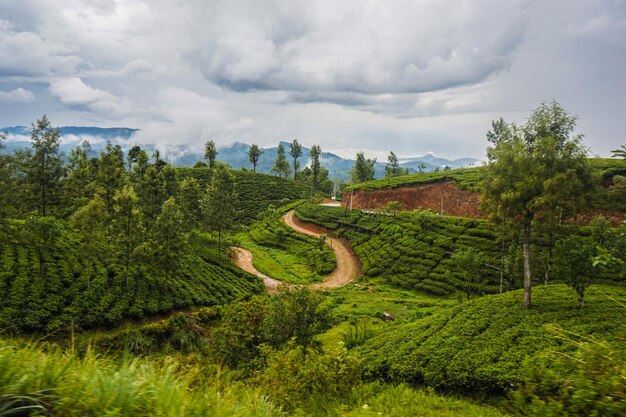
x,y
295,150
281,165
44,166
220,203
535,172
254,153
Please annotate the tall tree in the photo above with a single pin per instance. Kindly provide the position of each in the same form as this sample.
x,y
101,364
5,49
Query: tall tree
x,y
254,153
295,150
168,233
89,221
210,153
127,226
316,166
44,170
281,166
220,203
81,175
535,171
133,154
363,169
111,175
189,197
393,168
7,183
152,192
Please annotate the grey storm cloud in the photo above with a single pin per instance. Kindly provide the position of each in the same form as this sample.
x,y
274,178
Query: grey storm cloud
x,y
358,47
410,76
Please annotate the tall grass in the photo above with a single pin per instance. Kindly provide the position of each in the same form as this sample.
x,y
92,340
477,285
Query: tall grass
x,y
43,380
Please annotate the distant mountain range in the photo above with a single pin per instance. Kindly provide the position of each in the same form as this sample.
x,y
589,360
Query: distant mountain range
x,y
236,154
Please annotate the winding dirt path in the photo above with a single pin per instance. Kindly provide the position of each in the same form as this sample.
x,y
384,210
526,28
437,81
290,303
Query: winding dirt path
x,y
348,266
243,259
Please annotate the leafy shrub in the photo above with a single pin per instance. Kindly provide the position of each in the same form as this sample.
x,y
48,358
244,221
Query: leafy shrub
x,y
590,382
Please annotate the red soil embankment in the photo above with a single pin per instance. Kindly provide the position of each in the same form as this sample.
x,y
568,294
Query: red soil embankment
x,y
441,197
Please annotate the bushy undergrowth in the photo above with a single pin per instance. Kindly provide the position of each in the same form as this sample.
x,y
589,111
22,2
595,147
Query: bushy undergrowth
x,y
257,191
287,255
589,382
480,346
43,380
58,288
413,249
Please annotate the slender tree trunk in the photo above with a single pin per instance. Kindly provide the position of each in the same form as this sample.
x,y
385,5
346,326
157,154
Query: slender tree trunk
x,y
502,267
219,243
526,255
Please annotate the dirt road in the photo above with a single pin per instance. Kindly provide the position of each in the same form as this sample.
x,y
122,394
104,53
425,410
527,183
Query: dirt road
x,y
243,259
348,266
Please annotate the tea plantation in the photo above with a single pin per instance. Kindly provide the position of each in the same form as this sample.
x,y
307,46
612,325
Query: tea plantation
x,y
412,250
257,191
65,289
480,346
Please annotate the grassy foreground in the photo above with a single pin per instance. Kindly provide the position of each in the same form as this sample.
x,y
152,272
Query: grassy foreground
x,y
43,380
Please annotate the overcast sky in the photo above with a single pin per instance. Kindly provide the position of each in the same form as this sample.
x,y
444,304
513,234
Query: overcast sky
x,y
409,76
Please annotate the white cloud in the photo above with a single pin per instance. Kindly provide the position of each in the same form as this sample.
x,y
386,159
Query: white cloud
x,y
19,95
24,53
402,75
74,92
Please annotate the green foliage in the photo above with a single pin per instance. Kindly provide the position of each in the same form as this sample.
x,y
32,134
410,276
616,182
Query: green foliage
x,y
43,168
393,168
313,384
46,381
620,152
281,165
591,382
210,153
471,265
295,151
402,401
257,191
574,263
284,254
413,249
254,153
299,315
219,204
93,291
363,169
480,346
465,178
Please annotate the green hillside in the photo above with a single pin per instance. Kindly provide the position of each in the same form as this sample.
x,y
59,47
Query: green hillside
x,y
413,249
256,191
480,346
469,178
47,289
